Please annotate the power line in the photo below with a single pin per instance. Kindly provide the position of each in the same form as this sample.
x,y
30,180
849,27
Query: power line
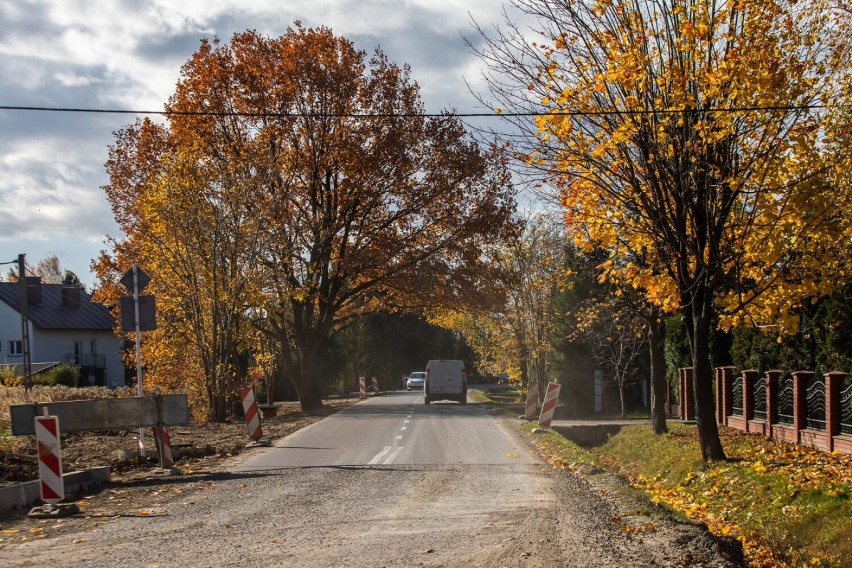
x,y
493,114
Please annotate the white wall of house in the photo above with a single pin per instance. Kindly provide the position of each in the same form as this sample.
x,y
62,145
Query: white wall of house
x,y
55,346
10,330
59,345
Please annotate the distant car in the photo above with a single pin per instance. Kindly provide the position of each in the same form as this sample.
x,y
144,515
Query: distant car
x,y
415,380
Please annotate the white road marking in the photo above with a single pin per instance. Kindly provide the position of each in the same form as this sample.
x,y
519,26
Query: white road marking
x,y
399,437
380,455
393,456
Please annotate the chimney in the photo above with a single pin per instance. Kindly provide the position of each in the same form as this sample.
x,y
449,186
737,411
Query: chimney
x,y
33,289
71,296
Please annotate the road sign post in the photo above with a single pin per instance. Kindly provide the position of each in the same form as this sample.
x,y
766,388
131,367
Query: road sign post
x,y
134,280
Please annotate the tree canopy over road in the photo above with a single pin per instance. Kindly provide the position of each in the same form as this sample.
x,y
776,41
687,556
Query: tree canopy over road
x,y
295,186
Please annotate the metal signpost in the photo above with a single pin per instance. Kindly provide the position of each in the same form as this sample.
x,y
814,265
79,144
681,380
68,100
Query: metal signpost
x,y
134,281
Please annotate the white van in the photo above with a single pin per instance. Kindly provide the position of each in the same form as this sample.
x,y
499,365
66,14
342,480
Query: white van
x,y
445,379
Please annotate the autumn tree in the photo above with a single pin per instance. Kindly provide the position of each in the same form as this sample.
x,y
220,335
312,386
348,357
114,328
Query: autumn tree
x,y
616,333
514,335
301,184
690,135
182,199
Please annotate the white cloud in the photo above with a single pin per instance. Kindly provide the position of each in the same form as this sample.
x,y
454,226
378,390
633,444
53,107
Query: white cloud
x,y
127,54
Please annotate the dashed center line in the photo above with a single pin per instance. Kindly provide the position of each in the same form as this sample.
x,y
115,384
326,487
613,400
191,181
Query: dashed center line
x,y
380,457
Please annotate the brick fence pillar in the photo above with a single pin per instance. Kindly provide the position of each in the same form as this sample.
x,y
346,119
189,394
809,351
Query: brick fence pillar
x,y
772,380
725,393
833,386
800,400
749,378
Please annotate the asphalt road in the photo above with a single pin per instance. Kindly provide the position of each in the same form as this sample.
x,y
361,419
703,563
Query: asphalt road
x,y
387,482
397,429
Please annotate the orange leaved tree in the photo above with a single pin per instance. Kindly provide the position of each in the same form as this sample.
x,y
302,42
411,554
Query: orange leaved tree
x,y
688,139
297,185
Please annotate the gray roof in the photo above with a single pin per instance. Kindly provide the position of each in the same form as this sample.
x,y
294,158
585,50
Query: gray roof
x,y
50,313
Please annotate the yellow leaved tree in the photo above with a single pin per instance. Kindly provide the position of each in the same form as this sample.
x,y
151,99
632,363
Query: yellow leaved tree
x,y
515,335
694,141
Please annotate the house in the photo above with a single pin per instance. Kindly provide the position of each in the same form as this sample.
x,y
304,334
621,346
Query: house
x,y
65,326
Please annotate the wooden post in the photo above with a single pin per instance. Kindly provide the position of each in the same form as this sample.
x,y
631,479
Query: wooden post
x,y
668,398
688,395
720,408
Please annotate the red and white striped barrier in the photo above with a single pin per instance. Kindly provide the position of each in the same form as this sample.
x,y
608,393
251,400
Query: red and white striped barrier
x,y
164,446
548,406
49,459
251,413
362,387
375,384
532,401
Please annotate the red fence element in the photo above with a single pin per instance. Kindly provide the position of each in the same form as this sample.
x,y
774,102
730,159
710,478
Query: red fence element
x,y
797,432
51,485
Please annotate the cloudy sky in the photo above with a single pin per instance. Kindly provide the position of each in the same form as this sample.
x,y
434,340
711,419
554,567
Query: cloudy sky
x,y
127,55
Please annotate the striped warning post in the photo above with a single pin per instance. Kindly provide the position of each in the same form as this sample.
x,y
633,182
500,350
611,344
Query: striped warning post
x,y
49,459
548,406
164,446
532,401
362,387
375,384
250,411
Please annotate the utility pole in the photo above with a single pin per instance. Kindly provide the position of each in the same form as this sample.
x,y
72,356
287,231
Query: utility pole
x,y
25,324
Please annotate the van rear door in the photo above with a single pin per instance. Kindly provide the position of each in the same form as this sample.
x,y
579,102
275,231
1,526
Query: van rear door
x,y
445,379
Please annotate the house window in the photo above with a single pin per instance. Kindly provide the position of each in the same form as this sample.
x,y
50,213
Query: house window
x,y
16,347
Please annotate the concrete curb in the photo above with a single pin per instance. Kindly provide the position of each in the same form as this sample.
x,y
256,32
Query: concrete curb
x,y
23,495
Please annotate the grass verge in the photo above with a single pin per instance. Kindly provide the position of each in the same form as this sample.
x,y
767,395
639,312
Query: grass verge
x,y
789,505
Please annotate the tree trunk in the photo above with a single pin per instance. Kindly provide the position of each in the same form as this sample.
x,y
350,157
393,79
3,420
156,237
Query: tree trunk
x,y
217,414
705,412
657,346
621,396
310,395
